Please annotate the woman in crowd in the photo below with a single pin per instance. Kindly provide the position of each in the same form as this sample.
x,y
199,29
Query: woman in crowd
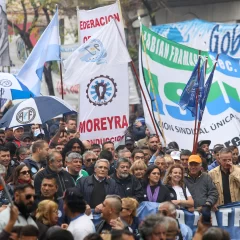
x,y
21,175
129,212
73,145
138,169
169,160
154,190
180,195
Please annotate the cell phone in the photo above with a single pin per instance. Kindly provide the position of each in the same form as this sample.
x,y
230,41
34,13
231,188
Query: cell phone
x,y
206,214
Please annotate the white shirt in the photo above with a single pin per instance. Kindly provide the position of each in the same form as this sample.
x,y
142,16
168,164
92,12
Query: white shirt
x,y
180,194
81,226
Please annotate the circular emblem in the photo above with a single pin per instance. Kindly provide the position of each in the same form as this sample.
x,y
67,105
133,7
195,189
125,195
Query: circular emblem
x,y
59,213
33,170
5,83
26,115
101,90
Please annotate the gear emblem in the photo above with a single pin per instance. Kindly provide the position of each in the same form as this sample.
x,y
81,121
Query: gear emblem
x,y
101,90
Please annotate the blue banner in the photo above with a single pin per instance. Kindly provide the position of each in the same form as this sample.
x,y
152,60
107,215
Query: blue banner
x,y
227,217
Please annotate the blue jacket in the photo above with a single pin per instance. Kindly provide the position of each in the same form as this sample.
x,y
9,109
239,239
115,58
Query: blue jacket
x,y
213,165
32,165
85,185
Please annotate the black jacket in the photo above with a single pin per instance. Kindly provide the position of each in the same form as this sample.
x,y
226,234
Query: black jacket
x,y
85,185
64,180
129,187
163,195
173,194
32,165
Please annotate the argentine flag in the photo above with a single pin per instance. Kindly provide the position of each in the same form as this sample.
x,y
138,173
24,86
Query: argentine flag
x,y
46,49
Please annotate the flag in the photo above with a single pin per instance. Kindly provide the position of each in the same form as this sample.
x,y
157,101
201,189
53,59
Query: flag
x,y
103,49
188,97
205,94
46,49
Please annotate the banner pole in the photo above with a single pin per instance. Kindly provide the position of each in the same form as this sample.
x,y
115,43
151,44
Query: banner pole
x,y
199,123
152,86
144,96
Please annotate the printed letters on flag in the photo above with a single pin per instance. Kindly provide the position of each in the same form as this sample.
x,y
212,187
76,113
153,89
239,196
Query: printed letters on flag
x,y
104,48
46,49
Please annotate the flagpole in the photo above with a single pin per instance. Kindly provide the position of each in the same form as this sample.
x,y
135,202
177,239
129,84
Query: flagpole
x,y
151,83
144,96
196,106
199,123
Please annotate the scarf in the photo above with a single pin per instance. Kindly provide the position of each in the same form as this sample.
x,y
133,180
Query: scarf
x,y
152,197
20,181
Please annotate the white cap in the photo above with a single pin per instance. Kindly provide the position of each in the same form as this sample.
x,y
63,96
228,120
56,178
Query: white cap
x,y
15,128
175,155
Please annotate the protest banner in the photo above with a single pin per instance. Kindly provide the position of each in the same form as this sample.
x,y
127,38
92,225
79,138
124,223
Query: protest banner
x,y
227,217
171,65
203,35
99,123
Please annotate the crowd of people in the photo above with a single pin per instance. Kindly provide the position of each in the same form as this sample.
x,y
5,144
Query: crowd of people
x,y
57,183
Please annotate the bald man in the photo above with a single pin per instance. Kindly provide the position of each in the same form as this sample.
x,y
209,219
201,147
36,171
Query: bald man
x,y
87,145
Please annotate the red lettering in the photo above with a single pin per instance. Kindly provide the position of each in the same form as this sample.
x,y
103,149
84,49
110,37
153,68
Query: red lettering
x,y
89,125
116,16
109,18
110,121
88,24
102,21
103,124
81,25
117,122
124,122
86,38
82,127
92,23
97,24
96,124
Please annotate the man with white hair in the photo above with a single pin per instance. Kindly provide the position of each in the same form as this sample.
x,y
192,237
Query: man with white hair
x,y
74,166
168,209
89,159
97,186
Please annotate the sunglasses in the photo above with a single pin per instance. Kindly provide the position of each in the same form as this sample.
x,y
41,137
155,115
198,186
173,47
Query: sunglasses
x,y
91,160
25,172
29,196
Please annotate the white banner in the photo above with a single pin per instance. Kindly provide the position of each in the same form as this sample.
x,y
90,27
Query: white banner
x,y
171,65
104,120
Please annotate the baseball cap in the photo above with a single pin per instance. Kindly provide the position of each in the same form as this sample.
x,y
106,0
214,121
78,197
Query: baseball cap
x,y
218,146
129,139
200,143
74,196
195,158
15,128
175,155
26,135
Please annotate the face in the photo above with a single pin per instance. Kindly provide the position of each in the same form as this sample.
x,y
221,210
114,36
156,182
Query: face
x,y
184,160
57,164
123,170
59,148
138,156
89,160
153,144
101,170
161,163
34,127
176,175
96,151
18,133
216,156
24,155
109,147
48,188
106,209
54,216
226,160
71,125
129,146
87,145
2,137
126,212
205,148
24,174
9,133
235,154
28,238
127,155
139,172
27,142
159,233
43,152
154,177
164,211
74,166
76,148
172,231
63,138
194,168
71,136
25,197
5,158
147,155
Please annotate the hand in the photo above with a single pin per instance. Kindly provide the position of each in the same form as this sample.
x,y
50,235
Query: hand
x,y
88,210
138,124
98,208
117,224
215,207
64,226
13,214
77,135
176,202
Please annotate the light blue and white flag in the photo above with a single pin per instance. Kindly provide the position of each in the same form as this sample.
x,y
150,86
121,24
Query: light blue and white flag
x,y
105,48
46,49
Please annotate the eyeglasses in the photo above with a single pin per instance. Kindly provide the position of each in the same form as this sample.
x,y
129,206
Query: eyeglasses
x,y
29,196
25,172
91,160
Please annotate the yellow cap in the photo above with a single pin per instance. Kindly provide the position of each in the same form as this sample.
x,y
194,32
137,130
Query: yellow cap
x,y
195,158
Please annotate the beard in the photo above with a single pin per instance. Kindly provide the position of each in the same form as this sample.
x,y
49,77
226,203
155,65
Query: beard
x,y
26,209
124,175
